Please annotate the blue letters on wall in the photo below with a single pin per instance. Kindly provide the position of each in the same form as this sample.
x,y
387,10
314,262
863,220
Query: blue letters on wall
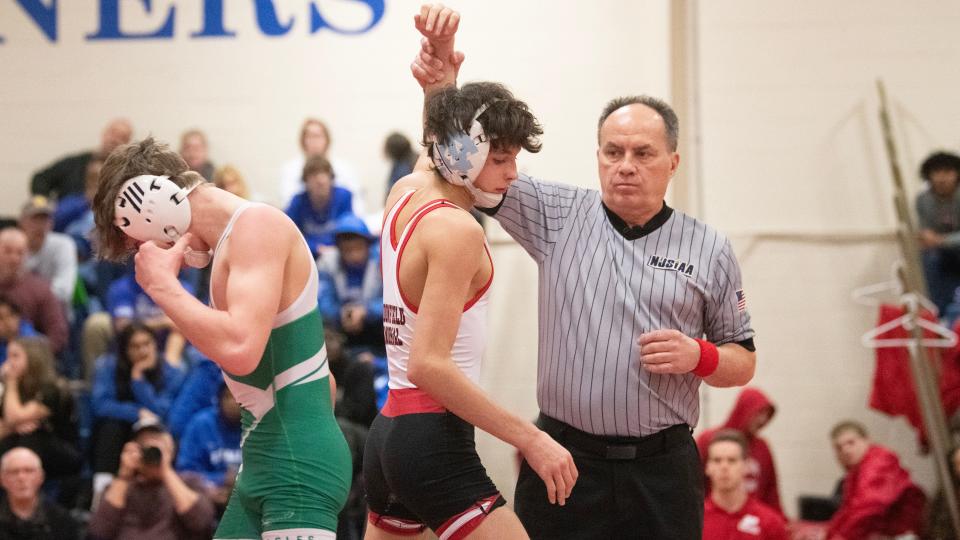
x,y
110,23
43,13
44,16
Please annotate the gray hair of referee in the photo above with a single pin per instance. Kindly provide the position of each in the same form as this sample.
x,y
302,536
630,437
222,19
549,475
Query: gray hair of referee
x,y
670,122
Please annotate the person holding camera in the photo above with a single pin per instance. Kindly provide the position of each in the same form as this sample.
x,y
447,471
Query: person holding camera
x,y
147,499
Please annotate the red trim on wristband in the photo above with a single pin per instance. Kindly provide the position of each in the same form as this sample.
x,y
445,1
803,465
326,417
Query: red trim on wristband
x,y
709,359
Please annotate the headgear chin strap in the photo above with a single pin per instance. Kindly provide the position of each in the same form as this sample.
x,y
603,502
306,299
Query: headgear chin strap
x,y
461,156
155,209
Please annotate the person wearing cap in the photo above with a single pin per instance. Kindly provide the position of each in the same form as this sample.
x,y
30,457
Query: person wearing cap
x,y
351,288
30,293
51,255
147,499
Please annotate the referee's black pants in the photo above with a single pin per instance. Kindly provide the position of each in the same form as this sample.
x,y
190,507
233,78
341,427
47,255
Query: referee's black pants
x,y
629,488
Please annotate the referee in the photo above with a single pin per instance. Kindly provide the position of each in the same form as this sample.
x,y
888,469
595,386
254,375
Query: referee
x,y
638,303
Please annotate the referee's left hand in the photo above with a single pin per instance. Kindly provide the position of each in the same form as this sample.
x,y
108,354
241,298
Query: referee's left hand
x,y
668,351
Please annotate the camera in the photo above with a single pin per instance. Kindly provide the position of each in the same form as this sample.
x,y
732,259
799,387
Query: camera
x,y
151,456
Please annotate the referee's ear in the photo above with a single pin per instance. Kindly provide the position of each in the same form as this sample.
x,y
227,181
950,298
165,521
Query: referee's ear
x,y
674,163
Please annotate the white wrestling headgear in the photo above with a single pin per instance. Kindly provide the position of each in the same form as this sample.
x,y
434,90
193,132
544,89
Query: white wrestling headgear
x,y
461,157
155,209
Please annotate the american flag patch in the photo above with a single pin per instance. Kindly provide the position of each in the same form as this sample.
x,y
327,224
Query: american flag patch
x,y
741,301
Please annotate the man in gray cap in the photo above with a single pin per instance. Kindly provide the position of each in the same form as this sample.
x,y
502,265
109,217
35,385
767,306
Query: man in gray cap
x,y
50,255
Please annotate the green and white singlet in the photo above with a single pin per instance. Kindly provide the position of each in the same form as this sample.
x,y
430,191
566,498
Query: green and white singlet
x,y
297,469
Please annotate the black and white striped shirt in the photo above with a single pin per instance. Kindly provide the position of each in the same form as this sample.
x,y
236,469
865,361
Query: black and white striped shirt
x,y
602,284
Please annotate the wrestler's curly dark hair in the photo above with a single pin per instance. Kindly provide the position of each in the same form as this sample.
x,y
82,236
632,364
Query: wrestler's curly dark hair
x,y
507,121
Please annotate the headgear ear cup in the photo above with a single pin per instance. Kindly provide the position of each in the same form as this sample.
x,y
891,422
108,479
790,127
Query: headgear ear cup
x,y
152,208
460,158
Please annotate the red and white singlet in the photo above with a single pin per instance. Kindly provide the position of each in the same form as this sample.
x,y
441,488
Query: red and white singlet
x,y
400,314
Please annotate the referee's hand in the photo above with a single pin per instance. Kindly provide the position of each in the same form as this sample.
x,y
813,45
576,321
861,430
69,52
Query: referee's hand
x,y
553,464
668,351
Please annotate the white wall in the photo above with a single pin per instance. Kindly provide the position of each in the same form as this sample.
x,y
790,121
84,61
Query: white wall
x,y
792,144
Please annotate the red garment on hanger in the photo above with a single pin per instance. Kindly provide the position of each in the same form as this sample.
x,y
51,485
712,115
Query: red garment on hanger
x,y
893,389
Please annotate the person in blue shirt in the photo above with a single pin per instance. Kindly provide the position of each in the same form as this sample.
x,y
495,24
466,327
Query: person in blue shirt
x,y
210,447
350,296
12,325
316,209
128,302
199,392
132,385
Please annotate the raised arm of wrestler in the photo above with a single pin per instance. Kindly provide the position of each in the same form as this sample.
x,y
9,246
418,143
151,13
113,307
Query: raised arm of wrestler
x,y
451,268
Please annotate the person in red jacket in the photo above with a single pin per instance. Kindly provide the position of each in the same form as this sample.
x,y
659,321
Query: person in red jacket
x,y
879,498
752,411
730,513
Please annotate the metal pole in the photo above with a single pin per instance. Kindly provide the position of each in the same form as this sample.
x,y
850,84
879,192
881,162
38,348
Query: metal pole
x,y
925,380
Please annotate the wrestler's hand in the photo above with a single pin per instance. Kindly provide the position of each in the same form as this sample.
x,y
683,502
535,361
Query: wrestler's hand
x,y
553,464
158,267
668,351
437,64
437,23
431,70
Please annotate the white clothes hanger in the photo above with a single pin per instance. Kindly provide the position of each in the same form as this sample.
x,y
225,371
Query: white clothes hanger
x,y
946,337
873,295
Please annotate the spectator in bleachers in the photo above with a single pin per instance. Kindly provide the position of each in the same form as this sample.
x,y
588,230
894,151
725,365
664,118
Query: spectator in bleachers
x,y
196,152
228,178
350,296
315,141
36,409
147,499
879,497
356,398
402,158
210,447
316,208
752,412
730,512
938,213
199,392
30,293
73,215
12,325
24,514
74,209
66,176
50,255
128,302
135,384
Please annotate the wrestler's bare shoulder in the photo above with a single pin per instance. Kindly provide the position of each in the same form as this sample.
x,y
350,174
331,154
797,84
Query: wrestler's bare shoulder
x,y
413,181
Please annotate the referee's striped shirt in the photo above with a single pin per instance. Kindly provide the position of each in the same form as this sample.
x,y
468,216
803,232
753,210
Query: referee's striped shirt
x,y
602,284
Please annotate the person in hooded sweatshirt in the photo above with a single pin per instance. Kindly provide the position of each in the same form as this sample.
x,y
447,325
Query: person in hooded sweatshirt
x,y
751,413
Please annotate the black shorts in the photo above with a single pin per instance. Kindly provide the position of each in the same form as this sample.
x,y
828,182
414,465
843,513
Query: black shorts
x,y
423,469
